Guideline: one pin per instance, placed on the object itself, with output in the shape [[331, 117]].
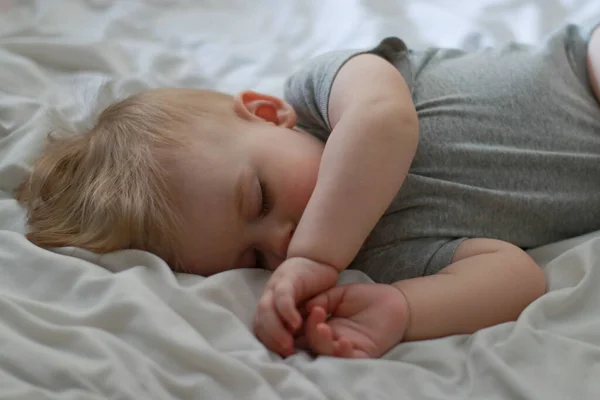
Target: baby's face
[[242, 197]]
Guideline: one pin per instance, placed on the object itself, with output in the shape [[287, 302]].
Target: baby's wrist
[[314, 254], [316, 263], [404, 299]]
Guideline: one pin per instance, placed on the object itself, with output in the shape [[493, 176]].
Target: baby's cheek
[[301, 172], [302, 190]]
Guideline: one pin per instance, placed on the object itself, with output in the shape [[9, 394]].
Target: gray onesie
[[509, 148]]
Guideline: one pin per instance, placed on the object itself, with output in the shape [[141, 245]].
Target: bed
[[75, 325]]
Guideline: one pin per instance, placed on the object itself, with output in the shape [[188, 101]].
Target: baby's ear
[[254, 106]]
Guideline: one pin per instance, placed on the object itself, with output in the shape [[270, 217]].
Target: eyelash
[[260, 261], [265, 200], [265, 208]]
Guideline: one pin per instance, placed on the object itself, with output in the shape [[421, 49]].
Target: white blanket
[[74, 325]]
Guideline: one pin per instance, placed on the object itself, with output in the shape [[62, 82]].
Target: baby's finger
[[286, 307], [318, 332], [315, 317], [326, 344], [359, 354], [318, 301], [269, 328], [276, 339], [344, 348], [329, 300]]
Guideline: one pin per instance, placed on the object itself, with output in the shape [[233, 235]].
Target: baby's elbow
[[533, 278]]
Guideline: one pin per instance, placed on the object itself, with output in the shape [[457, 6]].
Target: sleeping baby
[[431, 171]]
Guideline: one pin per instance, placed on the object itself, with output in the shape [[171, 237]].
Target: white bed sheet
[[74, 325]]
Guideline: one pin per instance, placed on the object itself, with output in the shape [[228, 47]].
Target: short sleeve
[[407, 259], [308, 90]]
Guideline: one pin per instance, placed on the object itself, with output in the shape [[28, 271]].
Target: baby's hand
[[366, 321], [277, 317]]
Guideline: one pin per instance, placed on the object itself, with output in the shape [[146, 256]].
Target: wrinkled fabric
[[74, 325]]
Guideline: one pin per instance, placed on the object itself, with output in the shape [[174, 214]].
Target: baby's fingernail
[[289, 350]]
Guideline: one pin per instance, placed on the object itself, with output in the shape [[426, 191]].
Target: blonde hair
[[107, 189]]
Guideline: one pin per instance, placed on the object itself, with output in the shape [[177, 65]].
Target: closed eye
[[265, 200]]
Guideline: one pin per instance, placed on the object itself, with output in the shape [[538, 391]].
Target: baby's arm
[[365, 161], [489, 282]]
